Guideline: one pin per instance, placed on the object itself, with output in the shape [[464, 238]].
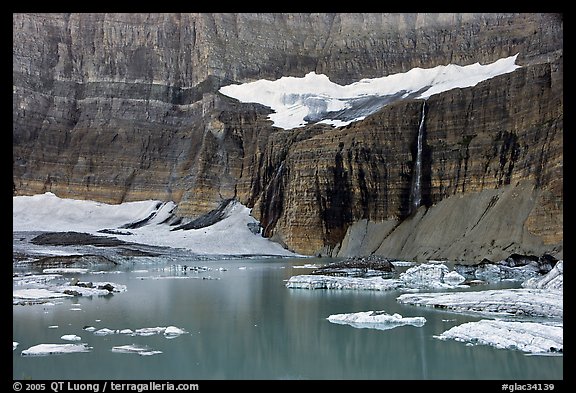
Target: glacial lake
[[242, 323]]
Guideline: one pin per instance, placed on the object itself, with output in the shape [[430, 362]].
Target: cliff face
[[125, 107]]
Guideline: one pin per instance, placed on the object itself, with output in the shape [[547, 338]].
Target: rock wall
[[120, 107], [480, 143]]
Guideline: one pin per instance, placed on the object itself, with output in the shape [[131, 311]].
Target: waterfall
[[416, 190]]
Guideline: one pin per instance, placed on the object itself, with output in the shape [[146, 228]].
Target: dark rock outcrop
[[357, 267], [74, 261], [75, 239], [123, 107]]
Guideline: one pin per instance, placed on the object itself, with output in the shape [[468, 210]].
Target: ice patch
[[312, 281]]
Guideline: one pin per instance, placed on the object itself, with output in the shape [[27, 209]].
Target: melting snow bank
[[517, 302], [376, 320], [524, 336], [148, 222], [314, 98]]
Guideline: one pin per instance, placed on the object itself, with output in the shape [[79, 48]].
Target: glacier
[[313, 98], [230, 236]]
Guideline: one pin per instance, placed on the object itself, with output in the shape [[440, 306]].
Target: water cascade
[[416, 189]]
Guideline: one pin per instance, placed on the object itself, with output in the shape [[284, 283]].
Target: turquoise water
[[242, 323]]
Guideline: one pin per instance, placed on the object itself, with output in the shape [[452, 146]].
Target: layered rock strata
[[121, 107], [492, 177]]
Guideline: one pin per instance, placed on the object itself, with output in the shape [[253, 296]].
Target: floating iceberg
[[35, 279], [517, 302], [133, 348], [434, 276], [55, 349], [312, 281], [376, 320], [104, 332], [431, 275], [71, 337], [168, 332], [35, 295], [42, 295], [173, 331], [524, 336]]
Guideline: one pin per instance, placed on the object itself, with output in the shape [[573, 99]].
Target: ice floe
[[312, 281], [38, 280], [516, 301], [36, 295], [102, 288], [529, 337], [376, 320], [55, 349], [72, 289], [103, 331], [136, 349], [167, 331], [71, 337]]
